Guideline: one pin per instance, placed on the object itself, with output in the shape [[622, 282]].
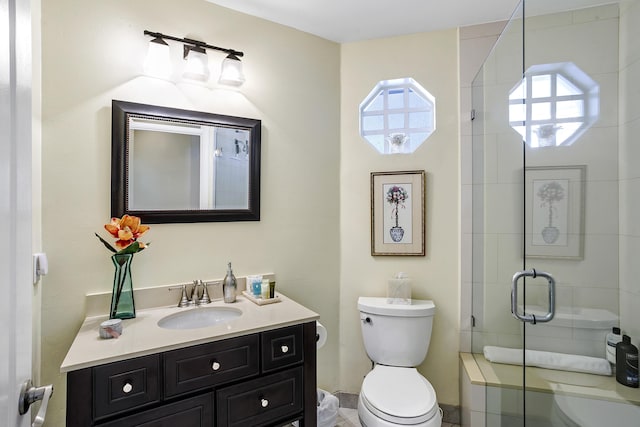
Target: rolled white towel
[[548, 360]]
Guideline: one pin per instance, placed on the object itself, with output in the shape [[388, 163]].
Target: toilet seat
[[399, 395]]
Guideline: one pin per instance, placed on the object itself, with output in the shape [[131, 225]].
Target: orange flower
[[126, 230]]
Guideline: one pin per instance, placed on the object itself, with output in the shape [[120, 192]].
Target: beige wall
[[92, 52], [431, 59]]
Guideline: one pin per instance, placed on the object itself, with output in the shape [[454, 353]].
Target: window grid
[[577, 116], [387, 113]]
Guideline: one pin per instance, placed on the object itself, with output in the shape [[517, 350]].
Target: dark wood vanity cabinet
[[261, 379]]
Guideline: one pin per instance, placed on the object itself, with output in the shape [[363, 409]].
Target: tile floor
[[349, 418]]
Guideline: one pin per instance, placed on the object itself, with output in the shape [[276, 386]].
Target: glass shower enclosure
[[556, 212]]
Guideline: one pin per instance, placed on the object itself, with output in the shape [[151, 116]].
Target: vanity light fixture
[[195, 54]]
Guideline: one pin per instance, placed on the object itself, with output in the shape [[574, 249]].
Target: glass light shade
[[197, 67], [231, 73], [158, 60]]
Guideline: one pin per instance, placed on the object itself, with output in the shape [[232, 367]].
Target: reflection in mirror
[[172, 165]]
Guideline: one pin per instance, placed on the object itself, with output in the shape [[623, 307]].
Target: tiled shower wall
[[629, 124], [475, 44]]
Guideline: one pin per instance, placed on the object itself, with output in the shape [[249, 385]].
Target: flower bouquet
[[126, 230]]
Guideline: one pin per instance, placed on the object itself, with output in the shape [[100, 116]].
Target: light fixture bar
[[194, 42]]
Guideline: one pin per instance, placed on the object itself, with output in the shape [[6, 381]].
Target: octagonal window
[[553, 105], [397, 116]]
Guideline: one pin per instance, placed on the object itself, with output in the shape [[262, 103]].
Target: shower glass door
[[497, 203], [556, 190], [571, 198]]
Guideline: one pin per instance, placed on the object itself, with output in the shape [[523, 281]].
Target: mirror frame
[[121, 110]]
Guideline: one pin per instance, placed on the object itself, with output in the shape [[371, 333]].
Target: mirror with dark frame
[[170, 165]]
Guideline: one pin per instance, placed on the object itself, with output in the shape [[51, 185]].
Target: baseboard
[[451, 413]]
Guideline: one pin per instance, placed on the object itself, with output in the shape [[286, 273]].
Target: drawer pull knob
[[264, 403], [284, 348], [215, 366], [127, 388]]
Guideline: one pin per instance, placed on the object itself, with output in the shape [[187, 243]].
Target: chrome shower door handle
[[532, 318]]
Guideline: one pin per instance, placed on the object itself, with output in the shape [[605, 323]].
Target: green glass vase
[[122, 304]]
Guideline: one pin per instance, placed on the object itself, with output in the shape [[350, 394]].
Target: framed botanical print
[[398, 213], [554, 212]]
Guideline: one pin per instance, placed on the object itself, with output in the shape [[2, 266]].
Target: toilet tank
[[396, 334]]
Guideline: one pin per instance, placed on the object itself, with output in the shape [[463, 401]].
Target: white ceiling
[[353, 20]]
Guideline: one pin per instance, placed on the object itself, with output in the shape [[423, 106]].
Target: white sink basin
[[199, 317]]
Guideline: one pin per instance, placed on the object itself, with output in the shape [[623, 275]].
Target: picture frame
[[398, 213], [554, 212]]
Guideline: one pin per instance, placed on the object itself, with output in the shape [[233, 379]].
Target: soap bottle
[[627, 362], [265, 289], [613, 338], [229, 285]]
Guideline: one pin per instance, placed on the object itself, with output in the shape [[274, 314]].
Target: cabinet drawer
[[281, 348], [194, 412], [125, 385], [262, 401], [210, 364]]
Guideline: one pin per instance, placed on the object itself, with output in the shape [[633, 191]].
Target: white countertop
[[142, 336]]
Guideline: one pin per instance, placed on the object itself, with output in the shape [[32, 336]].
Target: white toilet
[[396, 338]]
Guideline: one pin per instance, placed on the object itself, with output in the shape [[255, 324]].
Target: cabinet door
[[121, 386], [281, 348], [262, 401], [207, 365], [194, 412]]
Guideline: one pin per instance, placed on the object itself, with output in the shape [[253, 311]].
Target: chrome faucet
[[193, 297]]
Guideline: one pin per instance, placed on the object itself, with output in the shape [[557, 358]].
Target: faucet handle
[[205, 294], [184, 301], [194, 292]]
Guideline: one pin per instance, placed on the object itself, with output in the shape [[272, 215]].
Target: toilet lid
[[399, 395]]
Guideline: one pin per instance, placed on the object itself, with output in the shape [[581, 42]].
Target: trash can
[[327, 409]]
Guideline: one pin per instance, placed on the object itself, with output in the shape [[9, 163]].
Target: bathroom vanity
[[256, 370]]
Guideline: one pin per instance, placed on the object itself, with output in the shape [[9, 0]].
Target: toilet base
[[367, 419]]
